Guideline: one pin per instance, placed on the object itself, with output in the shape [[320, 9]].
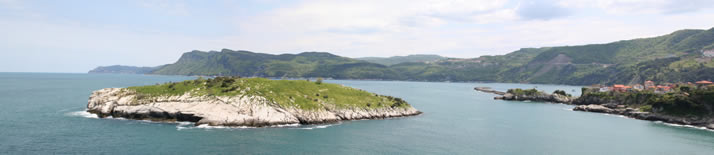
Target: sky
[[79, 35]]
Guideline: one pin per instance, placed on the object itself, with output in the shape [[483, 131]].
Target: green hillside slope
[[675, 57]]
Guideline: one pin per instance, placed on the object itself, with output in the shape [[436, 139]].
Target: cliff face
[[239, 110]]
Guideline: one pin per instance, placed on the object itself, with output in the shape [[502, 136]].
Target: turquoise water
[[41, 114]]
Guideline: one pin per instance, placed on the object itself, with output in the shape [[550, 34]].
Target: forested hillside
[[675, 57]]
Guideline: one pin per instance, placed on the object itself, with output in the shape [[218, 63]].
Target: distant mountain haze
[[675, 57], [402, 59], [119, 69]]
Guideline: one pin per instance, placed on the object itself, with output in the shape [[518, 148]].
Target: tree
[[684, 88], [318, 81]]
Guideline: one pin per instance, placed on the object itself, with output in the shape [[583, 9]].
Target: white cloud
[[47, 45], [363, 28], [641, 6], [170, 7], [12, 4], [347, 28]]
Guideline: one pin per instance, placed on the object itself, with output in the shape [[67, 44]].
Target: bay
[[42, 113]]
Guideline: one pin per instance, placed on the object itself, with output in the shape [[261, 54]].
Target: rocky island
[[255, 102], [518, 94]]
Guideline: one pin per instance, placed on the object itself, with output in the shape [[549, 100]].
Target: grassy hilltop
[[288, 93]]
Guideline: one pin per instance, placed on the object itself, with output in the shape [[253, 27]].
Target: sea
[[43, 113]]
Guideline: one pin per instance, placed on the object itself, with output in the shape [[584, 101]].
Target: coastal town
[[656, 88]]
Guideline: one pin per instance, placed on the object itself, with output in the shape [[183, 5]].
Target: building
[[649, 84], [708, 53], [638, 87], [703, 83], [604, 89], [619, 88], [663, 89]]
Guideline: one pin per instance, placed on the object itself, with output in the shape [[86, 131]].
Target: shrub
[[646, 108], [684, 88], [519, 91], [561, 92], [318, 81]]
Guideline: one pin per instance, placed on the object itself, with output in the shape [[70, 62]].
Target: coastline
[[636, 114], [619, 110]]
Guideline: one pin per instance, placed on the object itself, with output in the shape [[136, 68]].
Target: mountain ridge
[[674, 57]]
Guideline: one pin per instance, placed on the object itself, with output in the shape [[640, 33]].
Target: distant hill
[[245, 63], [402, 59], [674, 57], [119, 69], [681, 56]]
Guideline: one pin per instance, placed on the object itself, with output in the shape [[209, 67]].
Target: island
[[252, 102], [689, 104], [559, 96]]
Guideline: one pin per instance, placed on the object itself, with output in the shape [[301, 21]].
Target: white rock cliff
[[225, 110]]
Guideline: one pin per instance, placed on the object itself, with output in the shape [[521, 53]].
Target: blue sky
[[77, 35]]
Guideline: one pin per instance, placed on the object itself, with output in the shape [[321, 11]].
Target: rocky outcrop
[[489, 90], [593, 108], [555, 98], [536, 97], [238, 110], [706, 122], [541, 97]]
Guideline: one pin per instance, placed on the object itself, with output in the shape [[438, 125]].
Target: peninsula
[[254, 102], [678, 103]]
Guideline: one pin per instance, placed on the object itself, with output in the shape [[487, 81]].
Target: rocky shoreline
[[253, 111], [635, 113], [599, 105]]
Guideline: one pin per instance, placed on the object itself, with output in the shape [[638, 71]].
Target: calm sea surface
[[41, 113]]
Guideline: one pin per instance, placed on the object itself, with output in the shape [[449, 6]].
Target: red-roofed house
[[703, 83], [619, 88], [663, 89]]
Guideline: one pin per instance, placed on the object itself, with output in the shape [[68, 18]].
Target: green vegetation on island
[[302, 94], [524, 92]]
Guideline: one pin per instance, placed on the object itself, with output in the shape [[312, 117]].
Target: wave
[[86, 114], [683, 126], [206, 126], [83, 113], [184, 125], [310, 127], [189, 125], [616, 115]]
